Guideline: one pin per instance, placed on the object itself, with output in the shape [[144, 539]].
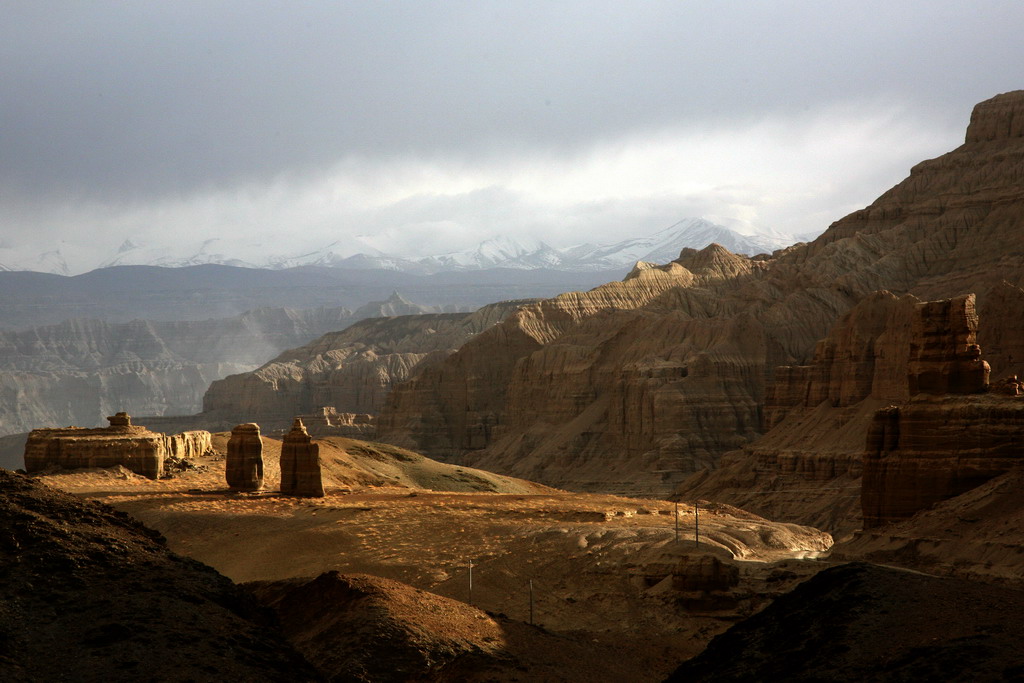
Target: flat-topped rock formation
[[646, 380], [122, 443], [929, 450], [300, 463], [944, 441], [244, 466]]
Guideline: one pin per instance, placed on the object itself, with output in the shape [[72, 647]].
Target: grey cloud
[[123, 101]]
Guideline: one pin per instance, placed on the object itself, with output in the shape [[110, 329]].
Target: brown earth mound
[[860, 622], [88, 594], [366, 628]]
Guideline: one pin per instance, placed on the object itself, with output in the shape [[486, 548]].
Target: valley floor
[[608, 573]]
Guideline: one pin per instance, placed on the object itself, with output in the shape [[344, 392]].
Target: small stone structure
[[327, 421], [244, 467], [300, 463], [132, 446]]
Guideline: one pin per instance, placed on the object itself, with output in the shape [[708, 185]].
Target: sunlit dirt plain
[[616, 573]]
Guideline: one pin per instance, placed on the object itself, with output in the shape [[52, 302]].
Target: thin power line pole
[[677, 522], [471, 582], [696, 524]]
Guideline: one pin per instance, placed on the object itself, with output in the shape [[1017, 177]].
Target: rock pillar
[[300, 463], [944, 355], [245, 458]]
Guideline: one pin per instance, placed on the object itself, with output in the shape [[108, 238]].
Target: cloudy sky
[[424, 127]]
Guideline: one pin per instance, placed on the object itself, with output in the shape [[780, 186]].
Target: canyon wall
[[350, 371], [80, 370], [903, 377], [632, 385]]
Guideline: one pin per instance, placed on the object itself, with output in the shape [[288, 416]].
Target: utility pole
[[696, 524], [471, 582], [677, 522]]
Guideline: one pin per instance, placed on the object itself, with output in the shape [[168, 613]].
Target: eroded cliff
[[350, 371], [646, 380]]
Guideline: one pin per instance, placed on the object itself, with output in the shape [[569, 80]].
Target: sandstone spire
[[245, 458], [944, 355], [300, 463]]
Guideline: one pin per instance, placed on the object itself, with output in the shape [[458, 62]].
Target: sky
[[420, 127]]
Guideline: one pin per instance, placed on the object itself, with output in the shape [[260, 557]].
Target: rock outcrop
[[90, 594], [300, 463], [937, 438], [859, 622], [929, 450], [944, 441], [244, 466], [944, 356], [633, 385], [329, 422], [122, 443]]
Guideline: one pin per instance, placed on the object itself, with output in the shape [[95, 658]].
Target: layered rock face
[[300, 463], [930, 450], [941, 443], [122, 443], [349, 371], [647, 379], [882, 353], [944, 356], [244, 466], [80, 370]]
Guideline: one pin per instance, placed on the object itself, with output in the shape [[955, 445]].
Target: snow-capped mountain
[[131, 253], [497, 252], [360, 252], [665, 245]]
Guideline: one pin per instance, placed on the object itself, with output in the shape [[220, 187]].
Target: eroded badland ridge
[[636, 384]]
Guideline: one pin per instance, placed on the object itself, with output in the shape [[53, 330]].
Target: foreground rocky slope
[[860, 622], [650, 379], [88, 594], [365, 628]]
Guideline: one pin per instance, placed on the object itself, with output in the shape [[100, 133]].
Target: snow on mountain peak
[[361, 252]]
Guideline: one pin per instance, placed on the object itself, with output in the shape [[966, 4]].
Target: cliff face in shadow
[[650, 379]]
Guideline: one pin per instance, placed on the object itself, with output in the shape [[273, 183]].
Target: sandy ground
[[597, 563]]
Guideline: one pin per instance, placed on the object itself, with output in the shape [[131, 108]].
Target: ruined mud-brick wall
[[122, 443]]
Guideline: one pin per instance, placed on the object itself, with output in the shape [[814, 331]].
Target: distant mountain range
[[497, 252]]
